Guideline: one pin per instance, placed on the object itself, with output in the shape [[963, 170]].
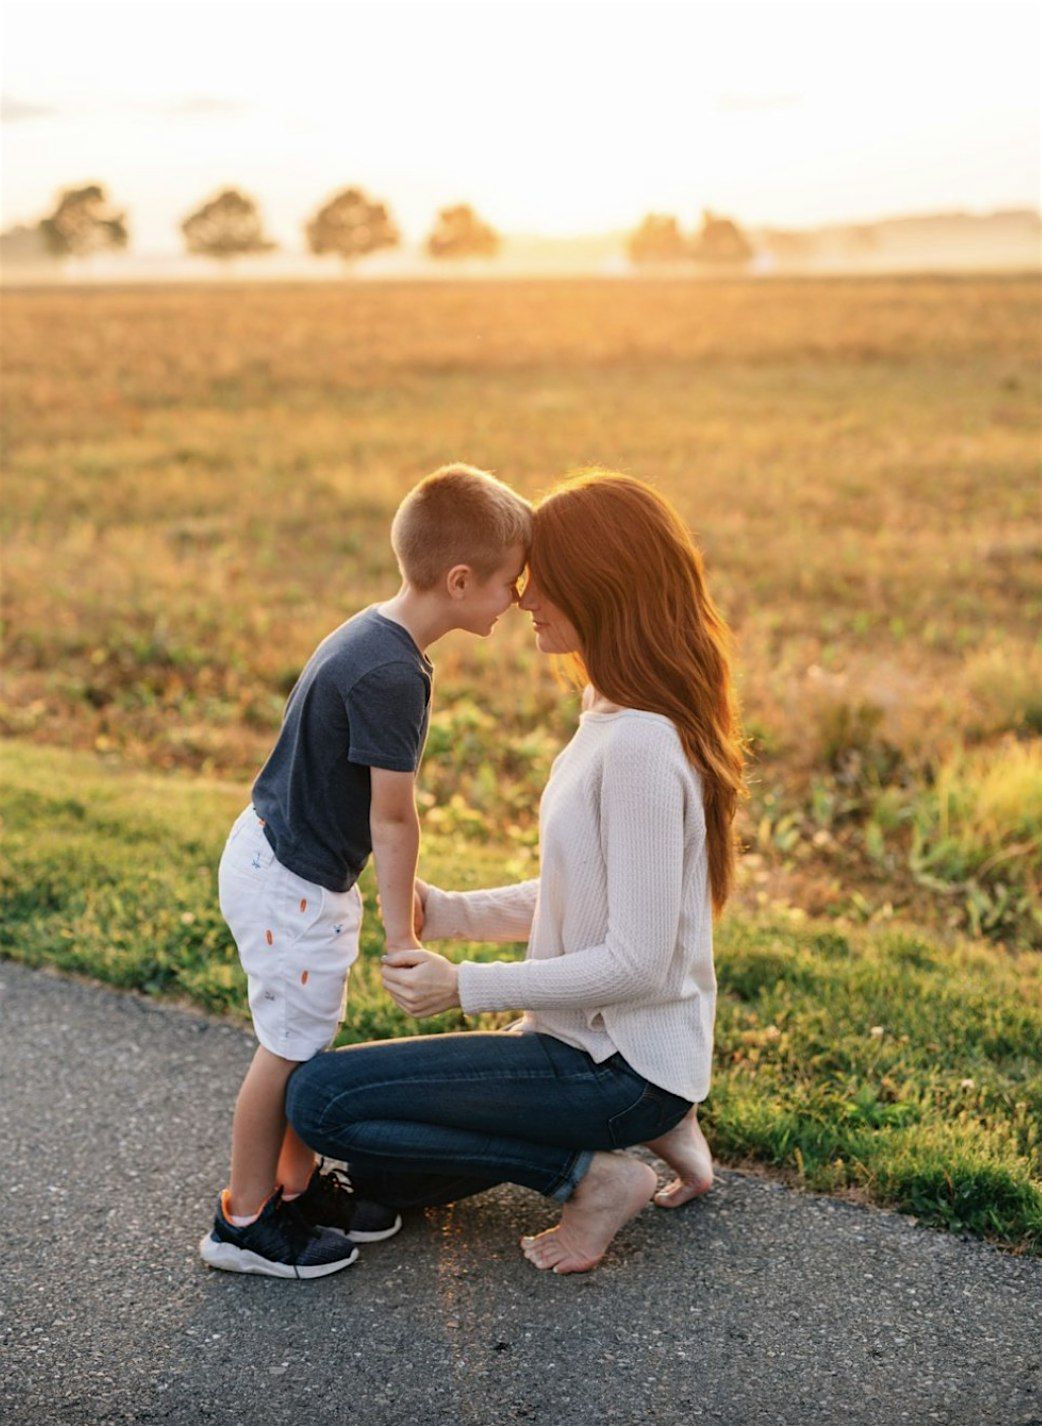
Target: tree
[[351, 225], [658, 239], [720, 241], [459, 232], [226, 226], [83, 223]]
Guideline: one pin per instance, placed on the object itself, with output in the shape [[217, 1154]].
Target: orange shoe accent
[[269, 938], [303, 977], [226, 1207], [303, 905]]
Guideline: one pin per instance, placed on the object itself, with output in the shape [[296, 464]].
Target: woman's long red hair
[[617, 559]]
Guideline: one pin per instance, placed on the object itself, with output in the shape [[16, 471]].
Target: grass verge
[[875, 1063]]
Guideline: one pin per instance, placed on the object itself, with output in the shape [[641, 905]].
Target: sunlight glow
[[557, 118]]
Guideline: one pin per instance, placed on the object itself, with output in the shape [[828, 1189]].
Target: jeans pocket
[[637, 1123], [654, 1113]]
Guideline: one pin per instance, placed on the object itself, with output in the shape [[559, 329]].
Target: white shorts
[[297, 942]]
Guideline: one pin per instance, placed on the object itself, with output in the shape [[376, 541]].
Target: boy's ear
[[457, 580]]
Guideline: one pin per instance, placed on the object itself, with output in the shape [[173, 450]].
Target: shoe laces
[[340, 1176], [335, 1186], [299, 1232]]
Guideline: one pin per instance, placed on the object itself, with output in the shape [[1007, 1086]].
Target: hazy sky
[[556, 117]]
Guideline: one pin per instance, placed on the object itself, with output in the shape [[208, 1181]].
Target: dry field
[[199, 484]]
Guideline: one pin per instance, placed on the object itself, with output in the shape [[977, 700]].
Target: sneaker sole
[[376, 1237], [357, 1236], [228, 1258]]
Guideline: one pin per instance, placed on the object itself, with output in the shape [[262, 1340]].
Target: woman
[[637, 853]]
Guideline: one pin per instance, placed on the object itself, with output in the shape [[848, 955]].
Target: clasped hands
[[419, 981]]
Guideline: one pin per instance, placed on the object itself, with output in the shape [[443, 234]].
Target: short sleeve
[[387, 716]]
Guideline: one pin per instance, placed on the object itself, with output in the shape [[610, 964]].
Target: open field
[[198, 487], [199, 484]]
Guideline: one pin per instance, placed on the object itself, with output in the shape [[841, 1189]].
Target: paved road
[[757, 1305]]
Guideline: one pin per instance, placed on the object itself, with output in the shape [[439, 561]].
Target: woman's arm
[[500, 913], [642, 828]]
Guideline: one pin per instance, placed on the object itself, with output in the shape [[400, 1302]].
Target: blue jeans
[[440, 1117]]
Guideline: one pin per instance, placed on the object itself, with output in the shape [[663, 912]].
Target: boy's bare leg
[[685, 1150], [296, 1163], [259, 1135]]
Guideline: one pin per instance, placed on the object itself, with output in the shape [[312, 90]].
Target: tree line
[[352, 225]]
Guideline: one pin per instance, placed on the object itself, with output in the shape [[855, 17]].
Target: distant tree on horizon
[[352, 225], [83, 222], [721, 240], [658, 239], [458, 232], [226, 226], [860, 238]]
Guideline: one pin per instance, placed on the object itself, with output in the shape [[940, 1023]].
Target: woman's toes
[[548, 1262], [544, 1250], [680, 1191]]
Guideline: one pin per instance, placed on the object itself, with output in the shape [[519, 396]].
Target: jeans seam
[[567, 1175], [498, 1159], [425, 1079]]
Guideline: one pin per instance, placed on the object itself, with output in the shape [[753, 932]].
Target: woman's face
[[554, 633]]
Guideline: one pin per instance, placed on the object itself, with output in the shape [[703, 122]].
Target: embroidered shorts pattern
[[296, 941]]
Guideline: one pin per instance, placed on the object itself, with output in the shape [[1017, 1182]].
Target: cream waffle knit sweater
[[619, 922]]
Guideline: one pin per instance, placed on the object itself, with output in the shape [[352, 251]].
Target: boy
[[339, 784]]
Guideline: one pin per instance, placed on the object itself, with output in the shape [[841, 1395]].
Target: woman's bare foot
[[686, 1152], [614, 1189]]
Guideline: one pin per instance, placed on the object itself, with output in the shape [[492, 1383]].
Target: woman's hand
[[420, 982], [419, 905]]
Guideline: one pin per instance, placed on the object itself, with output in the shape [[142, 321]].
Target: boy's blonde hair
[[458, 515]]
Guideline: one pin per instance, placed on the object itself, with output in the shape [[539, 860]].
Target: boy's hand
[[420, 982]]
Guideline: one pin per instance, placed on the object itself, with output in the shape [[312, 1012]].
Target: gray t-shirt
[[362, 701]]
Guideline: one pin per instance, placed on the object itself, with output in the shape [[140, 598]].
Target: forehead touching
[[515, 562]]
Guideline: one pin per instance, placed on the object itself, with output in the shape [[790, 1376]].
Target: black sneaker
[[329, 1202], [279, 1243]]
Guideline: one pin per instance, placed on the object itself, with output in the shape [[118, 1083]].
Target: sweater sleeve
[[642, 837], [501, 913]]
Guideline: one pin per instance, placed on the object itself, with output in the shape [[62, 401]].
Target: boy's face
[[481, 604]]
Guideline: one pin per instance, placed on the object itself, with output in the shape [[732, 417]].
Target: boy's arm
[[395, 830]]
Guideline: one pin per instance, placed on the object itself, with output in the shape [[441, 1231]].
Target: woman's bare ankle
[[683, 1149]]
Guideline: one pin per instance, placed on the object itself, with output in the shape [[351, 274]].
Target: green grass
[[875, 1063]]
